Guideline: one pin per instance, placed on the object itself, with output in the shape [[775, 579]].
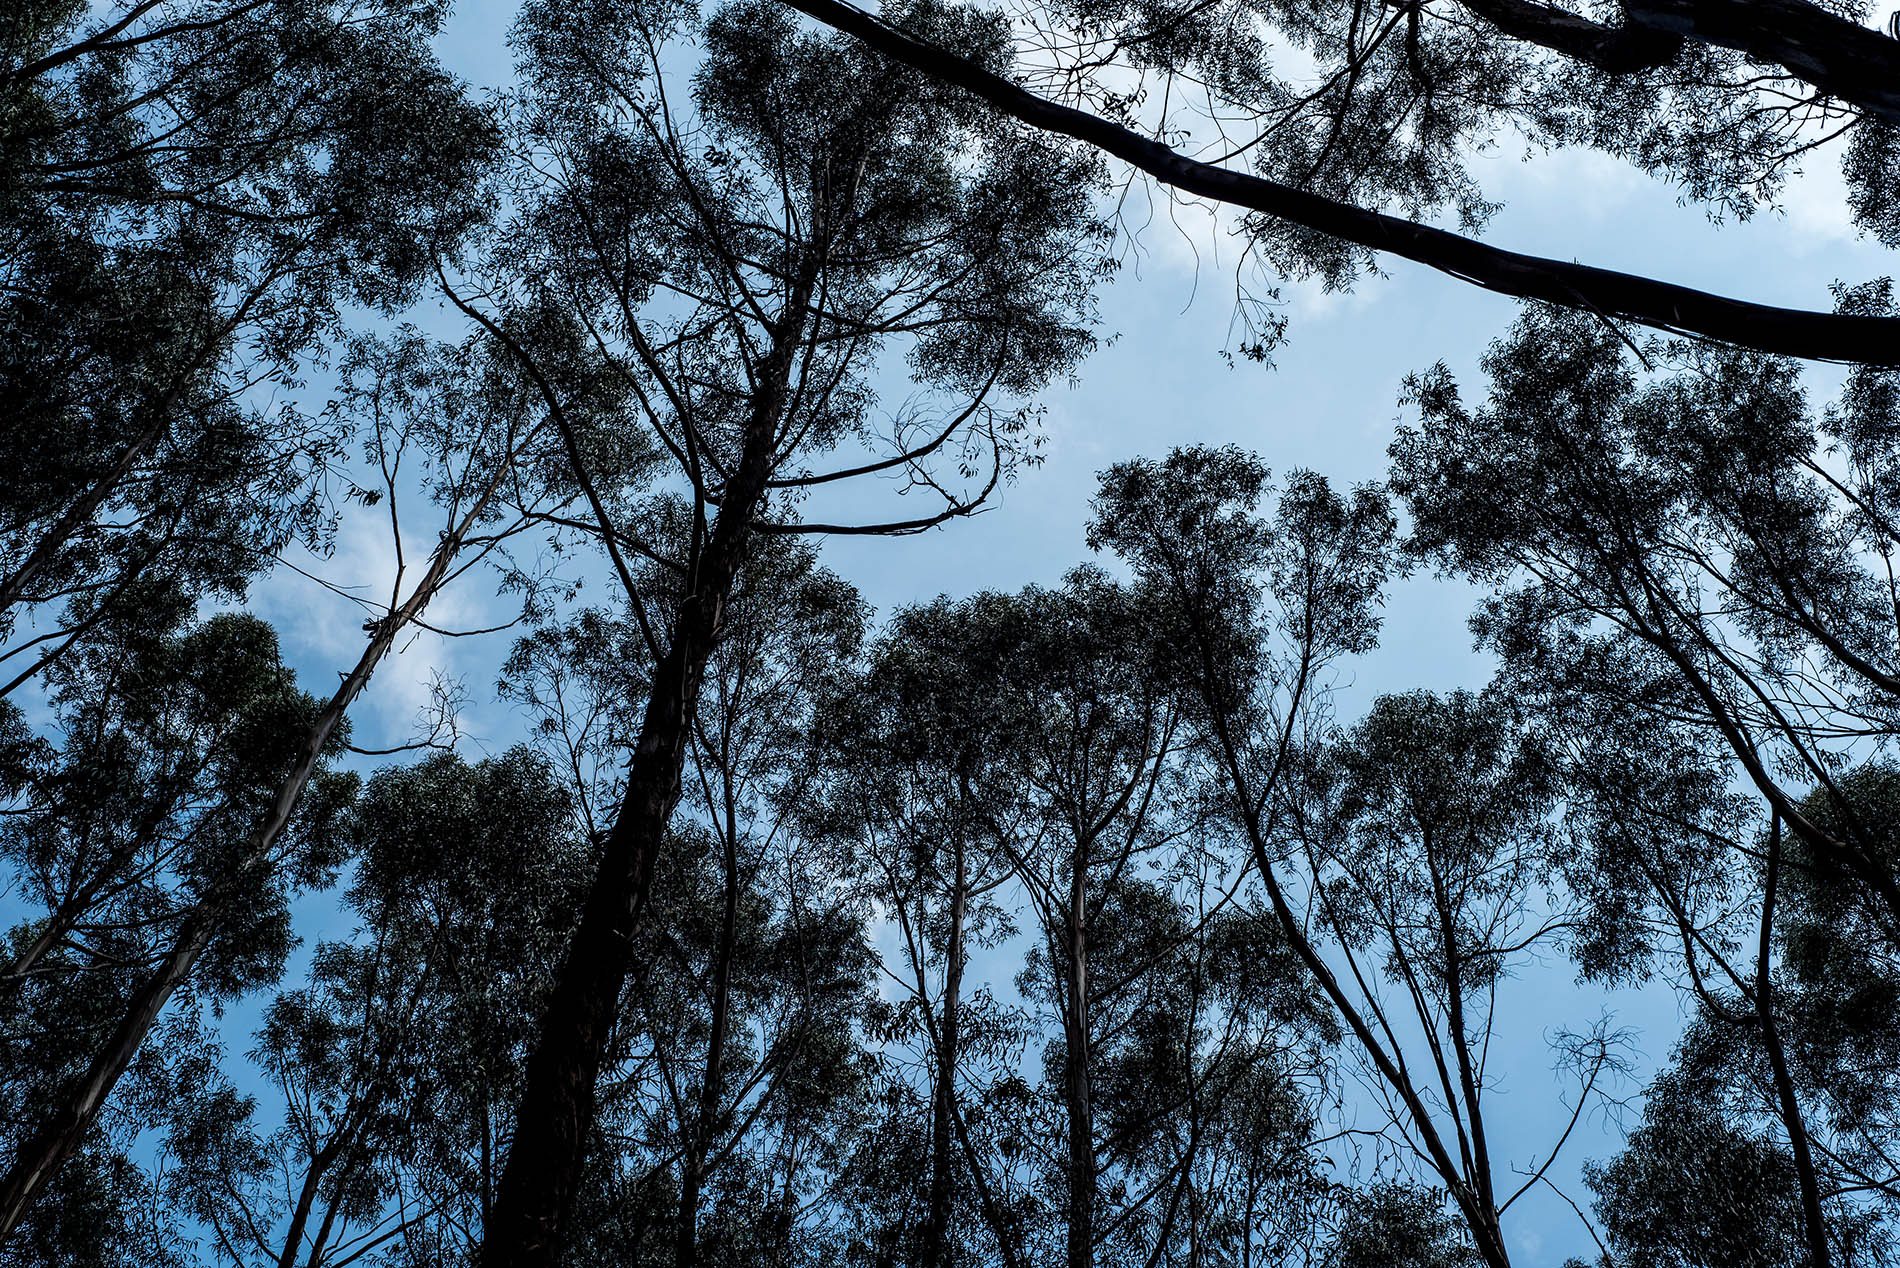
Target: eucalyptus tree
[[1206, 1061], [392, 1065], [743, 257], [1099, 746], [1783, 1078], [1691, 543], [1090, 735], [1695, 1186], [1437, 863], [480, 449], [766, 1047], [738, 1069], [192, 194], [1833, 989], [1259, 610], [1684, 878], [1359, 122], [735, 1063], [1392, 1222], [1016, 765], [1687, 555], [172, 741], [919, 801]]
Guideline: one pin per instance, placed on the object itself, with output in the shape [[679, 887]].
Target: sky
[[1329, 402]]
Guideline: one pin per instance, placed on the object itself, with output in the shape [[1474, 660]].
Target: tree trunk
[[63, 1129], [699, 1131], [1820, 1254], [542, 1174], [307, 1195], [1461, 1048], [942, 1130], [1081, 1232]]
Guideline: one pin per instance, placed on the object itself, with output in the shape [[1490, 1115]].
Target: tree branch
[[1663, 305]]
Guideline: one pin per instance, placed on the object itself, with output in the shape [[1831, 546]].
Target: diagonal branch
[[1663, 305]]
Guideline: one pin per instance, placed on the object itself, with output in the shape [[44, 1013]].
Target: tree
[[1702, 571], [1680, 542], [1785, 1059], [1098, 735], [1692, 1187], [176, 742], [478, 441], [920, 805], [396, 1061], [772, 1011], [738, 260], [1258, 611], [1400, 99], [734, 1066], [1392, 1222], [1433, 851], [193, 193]]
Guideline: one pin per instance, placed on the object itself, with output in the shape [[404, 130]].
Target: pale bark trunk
[[63, 1130]]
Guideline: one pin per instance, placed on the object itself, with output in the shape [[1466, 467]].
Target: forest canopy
[[770, 868]]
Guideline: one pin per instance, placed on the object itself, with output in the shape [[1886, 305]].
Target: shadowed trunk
[[1081, 1214], [699, 1132], [542, 1174], [1813, 1218]]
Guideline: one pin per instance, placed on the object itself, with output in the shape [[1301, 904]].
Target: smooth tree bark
[[943, 1093], [1079, 1242], [1814, 1219], [700, 1130]]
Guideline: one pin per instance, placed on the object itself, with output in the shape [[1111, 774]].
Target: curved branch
[[1663, 305]]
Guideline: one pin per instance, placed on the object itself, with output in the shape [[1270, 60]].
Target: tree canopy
[[1094, 913]]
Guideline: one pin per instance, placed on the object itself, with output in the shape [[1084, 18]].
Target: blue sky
[[1329, 403]]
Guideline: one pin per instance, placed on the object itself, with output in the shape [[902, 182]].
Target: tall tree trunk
[[1820, 1255], [542, 1174], [699, 1131], [62, 1130], [488, 1155], [1481, 1182], [319, 1167], [1081, 1233], [943, 1105]]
